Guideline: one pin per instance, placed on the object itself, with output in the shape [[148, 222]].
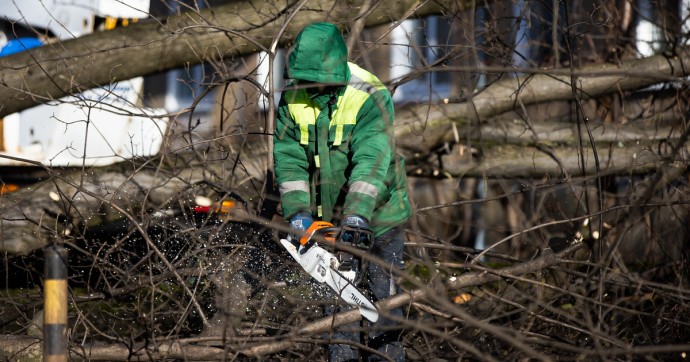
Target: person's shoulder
[[364, 80]]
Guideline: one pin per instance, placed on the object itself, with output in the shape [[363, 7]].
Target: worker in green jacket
[[335, 160]]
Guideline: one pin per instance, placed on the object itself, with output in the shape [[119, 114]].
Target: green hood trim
[[319, 55]]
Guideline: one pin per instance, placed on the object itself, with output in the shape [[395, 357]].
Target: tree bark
[[547, 149], [222, 32], [50, 210], [33, 217], [427, 126], [531, 162], [551, 159]]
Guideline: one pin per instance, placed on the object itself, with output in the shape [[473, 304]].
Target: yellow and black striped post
[[55, 304]]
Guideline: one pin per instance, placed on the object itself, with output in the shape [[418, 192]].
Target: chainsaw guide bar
[[323, 266]]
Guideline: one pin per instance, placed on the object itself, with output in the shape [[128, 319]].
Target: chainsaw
[[336, 270]]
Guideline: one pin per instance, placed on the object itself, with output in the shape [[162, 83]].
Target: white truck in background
[[99, 127]]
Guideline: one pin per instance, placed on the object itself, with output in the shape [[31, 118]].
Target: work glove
[[356, 231], [301, 221]]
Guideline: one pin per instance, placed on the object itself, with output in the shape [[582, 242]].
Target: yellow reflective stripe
[[366, 76], [302, 112], [362, 84], [317, 163], [338, 135], [346, 112], [319, 211], [55, 304], [304, 133]]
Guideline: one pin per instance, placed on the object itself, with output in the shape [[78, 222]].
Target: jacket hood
[[319, 55]]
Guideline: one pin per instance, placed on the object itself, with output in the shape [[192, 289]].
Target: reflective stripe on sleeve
[[364, 188], [289, 186]]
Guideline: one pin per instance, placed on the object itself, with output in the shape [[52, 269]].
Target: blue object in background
[[19, 45]]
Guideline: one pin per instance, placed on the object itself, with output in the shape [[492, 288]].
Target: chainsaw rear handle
[[361, 238]]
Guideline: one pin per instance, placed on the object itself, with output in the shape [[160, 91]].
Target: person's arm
[[291, 165], [371, 147]]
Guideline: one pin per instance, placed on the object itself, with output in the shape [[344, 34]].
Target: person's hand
[[355, 230], [356, 221], [301, 221]]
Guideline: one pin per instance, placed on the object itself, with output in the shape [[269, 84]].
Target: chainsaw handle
[[362, 238], [319, 230], [332, 236]]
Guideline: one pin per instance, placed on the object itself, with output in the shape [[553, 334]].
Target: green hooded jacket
[[334, 147]]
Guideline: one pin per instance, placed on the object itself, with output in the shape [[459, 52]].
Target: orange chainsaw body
[[319, 230]]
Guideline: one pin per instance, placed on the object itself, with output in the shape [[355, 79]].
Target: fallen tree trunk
[[230, 30], [545, 161], [553, 123], [425, 127], [222, 32], [50, 210], [34, 216]]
